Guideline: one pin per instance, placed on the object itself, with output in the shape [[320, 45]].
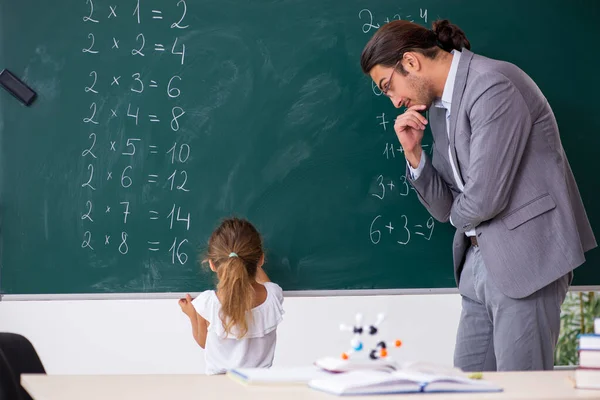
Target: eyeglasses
[[386, 88]]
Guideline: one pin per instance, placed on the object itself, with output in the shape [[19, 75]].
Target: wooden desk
[[517, 385]]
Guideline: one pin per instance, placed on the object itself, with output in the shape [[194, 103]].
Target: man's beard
[[424, 88]]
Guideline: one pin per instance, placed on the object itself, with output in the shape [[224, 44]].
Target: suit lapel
[[459, 87]]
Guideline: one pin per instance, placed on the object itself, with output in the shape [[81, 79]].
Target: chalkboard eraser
[[16, 87]]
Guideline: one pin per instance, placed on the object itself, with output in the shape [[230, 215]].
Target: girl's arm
[[199, 329], [199, 324]]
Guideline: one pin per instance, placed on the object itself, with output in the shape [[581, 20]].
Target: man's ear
[[411, 61]]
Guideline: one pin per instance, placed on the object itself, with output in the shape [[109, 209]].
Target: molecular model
[[379, 351]]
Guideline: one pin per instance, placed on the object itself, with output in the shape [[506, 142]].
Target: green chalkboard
[[155, 119]]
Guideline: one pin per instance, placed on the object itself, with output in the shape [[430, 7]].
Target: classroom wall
[[154, 336]]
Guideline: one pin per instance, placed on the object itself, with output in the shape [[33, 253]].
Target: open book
[[378, 382], [277, 375], [337, 364]]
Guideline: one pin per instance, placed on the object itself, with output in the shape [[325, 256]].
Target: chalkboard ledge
[[290, 293]]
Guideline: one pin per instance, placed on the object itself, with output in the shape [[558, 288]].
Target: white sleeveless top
[[257, 348]]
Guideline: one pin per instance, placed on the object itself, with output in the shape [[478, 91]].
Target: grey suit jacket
[[519, 193]]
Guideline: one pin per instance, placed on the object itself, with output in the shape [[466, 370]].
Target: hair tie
[[232, 254]]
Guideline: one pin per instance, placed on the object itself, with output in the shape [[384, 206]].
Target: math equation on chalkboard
[[403, 229], [119, 129]]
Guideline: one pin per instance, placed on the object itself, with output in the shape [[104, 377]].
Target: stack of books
[[587, 375]]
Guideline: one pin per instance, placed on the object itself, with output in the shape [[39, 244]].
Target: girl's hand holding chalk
[[186, 306]]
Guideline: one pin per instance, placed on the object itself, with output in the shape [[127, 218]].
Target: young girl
[[237, 324]]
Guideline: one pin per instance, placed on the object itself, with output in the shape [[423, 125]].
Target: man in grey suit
[[499, 174]]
